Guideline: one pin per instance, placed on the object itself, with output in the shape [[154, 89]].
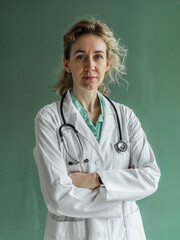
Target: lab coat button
[[99, 234]]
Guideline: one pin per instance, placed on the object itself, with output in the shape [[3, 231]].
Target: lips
[[89, 77]]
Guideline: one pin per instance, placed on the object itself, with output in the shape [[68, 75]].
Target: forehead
[[89, 42]]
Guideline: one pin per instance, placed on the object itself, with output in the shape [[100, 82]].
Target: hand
[[85, 180]]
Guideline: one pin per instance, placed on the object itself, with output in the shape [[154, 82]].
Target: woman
[[90, 180]]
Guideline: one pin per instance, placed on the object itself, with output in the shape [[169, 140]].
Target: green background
[[31, 51]]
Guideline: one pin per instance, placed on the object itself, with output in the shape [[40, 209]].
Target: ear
[[66, 65], [108, 65]]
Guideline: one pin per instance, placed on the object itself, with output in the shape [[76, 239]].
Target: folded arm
[[62, 197], [64, 194], [135, 183]]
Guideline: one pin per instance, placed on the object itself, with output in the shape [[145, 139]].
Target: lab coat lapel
[[108, 132], [73, 117]]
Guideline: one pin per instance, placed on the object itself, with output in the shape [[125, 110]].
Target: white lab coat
[[109, 212]]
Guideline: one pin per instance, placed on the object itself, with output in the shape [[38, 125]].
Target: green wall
[[31, 50]]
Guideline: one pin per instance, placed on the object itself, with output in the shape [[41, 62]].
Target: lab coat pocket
[[121, 160], [134, 226], [70, 228]]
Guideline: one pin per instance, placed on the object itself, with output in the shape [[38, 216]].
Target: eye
[[80, 57], [99, 57]]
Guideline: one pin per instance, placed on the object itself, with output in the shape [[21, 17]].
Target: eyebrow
[[81, 51]]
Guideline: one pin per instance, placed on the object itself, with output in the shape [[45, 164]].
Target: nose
[[89, 65]]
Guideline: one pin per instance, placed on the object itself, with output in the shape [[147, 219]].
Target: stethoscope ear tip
[[70, 163], [73, 163]]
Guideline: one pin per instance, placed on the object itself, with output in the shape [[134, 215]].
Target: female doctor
[[93, 157]]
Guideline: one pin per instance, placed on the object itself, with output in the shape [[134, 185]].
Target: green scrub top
[[95, 128]]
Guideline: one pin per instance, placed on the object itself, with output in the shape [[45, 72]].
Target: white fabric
[[109, 212]]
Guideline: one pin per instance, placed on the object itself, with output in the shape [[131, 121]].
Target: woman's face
[[88, 62]]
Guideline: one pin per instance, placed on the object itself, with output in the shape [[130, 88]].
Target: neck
[[88, 99]]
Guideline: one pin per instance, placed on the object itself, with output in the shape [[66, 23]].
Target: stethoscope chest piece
[[121, 146]]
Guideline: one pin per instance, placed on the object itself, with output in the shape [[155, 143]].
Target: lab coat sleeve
[[138, 183], [61, 196]]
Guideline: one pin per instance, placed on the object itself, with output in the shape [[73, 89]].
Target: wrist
[[96, 180]]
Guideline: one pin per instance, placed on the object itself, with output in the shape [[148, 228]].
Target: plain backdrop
[[30, 53]]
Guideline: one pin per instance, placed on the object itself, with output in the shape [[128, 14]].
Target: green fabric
[[95, 129]]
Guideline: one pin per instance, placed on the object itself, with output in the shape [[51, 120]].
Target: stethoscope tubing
[[120, 146], [118, 122]]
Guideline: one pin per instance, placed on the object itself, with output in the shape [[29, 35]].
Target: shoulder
[[126, 111]]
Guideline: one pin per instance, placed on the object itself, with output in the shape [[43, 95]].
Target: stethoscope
[[120, 146]]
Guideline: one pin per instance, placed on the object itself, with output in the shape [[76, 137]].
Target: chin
[[90, 87]]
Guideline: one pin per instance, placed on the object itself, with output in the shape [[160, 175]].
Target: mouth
[[89, 77]]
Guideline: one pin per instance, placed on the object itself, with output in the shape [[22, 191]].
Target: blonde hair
[[116, 54]]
